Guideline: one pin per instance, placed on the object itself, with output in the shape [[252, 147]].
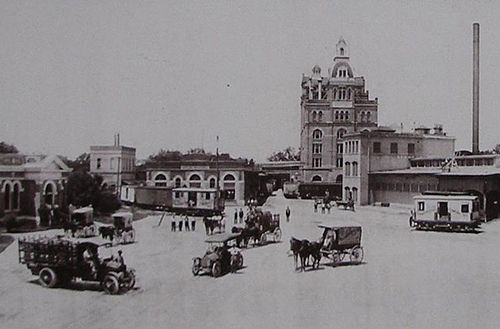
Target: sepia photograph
[[249, 164]]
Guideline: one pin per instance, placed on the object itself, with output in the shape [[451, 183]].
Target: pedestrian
[[180, 225], [236, 216], [211, 225], [207, 226], [173, 224], [328, 206], [315, 206], [287, 213], [241, 215], [223, 223], [193, 224], [322, 207], [186, 223]]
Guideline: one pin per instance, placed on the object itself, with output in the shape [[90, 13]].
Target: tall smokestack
[[475, 89]]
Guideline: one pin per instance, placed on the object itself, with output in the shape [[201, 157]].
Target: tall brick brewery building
[[332, 106]]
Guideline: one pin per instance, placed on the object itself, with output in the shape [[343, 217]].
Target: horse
[[310, 249], [295, 247], [107, 232]]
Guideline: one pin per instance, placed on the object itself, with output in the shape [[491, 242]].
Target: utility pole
[[217, 187]]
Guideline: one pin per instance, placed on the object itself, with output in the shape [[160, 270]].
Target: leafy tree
[[197, 150], [166, 155], [83, 189], [288, 154], [8, 148]]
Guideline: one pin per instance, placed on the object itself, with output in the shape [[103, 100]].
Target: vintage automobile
[[338, 242], [452, 211], [220, 257], [59, 260], [121, 231], [81, 223]]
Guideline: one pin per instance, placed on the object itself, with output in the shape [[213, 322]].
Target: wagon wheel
[[110, 284], [131, 282], [196, 266], [216, 269], [240, 260], [263, 239], [357, 254], [132, 236], [48, 278], [277, 235]]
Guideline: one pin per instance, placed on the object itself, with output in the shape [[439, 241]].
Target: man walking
[[287, 213], [236, 216], [241, 215]]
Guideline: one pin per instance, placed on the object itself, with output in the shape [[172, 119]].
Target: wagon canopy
[[222, 237], [345, 235]]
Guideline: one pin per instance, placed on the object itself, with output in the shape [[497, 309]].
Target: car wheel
[[110, 284], [196, 266], [216, 269], [47, 277]]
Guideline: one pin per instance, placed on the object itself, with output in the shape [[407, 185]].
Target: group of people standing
[[324, 206], [50, 215], [182, 222]]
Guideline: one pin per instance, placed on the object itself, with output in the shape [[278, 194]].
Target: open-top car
[[122, 230], [59, 260], [221, 257]]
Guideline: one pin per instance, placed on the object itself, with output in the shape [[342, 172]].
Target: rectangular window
[[465, 208], [178, 195], [394, 148], [411, 148], [207, 195], [421, 206], [376, 147], [316, 162]]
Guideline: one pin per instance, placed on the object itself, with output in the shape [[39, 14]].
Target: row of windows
[[194, 180], [341, 115], [354, 171], [317, 116], [352, 147], [464, 208], [459, 162], [351, 194], [394, 148], [404, 187], [317, 148], [342, 93], [127, 164]]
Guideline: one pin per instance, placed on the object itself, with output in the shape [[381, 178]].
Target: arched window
[[195, 180], [347, 193], [341, 51], [49, 194], [160, 180], [346, 115], [341, 132], [320, 115], [230, 186], [317, 134], [368, 116], [362, 116], [317, 178], [314, 116], [212, 182], [355, 168], [16, 196], [348, 169], [355, 194], [178, 182], [339, 179], [6, 196], [336, 115], [349, 93]]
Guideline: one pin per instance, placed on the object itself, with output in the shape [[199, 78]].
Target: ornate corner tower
[[332, 106]]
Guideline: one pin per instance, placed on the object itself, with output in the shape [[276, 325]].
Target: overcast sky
[[174, 74]]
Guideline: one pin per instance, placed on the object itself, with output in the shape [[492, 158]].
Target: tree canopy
[[288, 154], [8, 148]]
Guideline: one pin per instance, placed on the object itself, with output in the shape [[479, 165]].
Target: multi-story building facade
[[332, 106], [114, 163], [382, 149]]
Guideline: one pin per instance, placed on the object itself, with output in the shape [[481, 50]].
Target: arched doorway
[[339, 179], [317, 178], [6, 195], [492, 204], [49, 193]]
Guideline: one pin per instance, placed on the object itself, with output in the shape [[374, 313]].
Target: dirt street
[[409, 279]]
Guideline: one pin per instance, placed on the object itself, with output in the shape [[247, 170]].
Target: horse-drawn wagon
[[122, 230], [260, 226], [220, 257], [345, 204], [81, 223], [339, 242], [59, 260]]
